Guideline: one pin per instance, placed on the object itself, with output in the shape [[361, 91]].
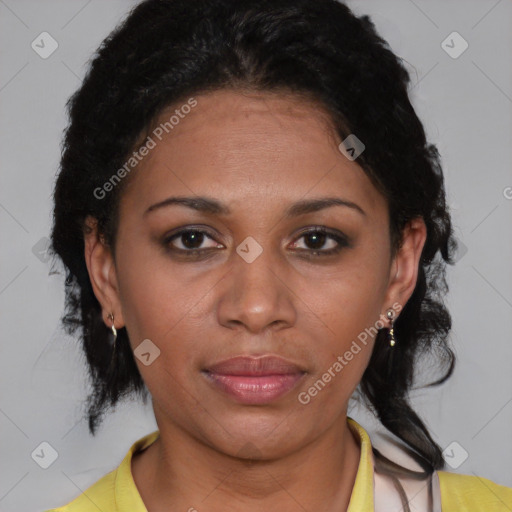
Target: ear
[[102, 273], [404, 267]]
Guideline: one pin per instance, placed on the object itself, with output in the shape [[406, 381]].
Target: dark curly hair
[[168, 50]]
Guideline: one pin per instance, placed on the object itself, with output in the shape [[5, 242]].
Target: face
[[252, 267]]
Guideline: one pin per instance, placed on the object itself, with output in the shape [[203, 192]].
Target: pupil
[[192, 238], [317, 237]]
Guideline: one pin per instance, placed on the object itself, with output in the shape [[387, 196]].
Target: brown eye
[[191, 240], [320, 241]]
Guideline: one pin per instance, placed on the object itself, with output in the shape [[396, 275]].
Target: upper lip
[[255, 366]]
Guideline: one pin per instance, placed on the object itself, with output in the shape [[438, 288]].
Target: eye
[[191, 240], [318, 237]]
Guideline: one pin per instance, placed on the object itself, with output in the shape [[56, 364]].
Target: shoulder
[[468, 493], [99, 496]]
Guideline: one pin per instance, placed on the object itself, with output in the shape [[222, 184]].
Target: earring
[[114, 332], [391, 316]]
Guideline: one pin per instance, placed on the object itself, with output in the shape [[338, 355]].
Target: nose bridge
[[256, 266]]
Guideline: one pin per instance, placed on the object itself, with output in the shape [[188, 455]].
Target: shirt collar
[[362, 499], [126, 493], [128, 498]]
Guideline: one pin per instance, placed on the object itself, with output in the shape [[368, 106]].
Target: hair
[[165, 51]]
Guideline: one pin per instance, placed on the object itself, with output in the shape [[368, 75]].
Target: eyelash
[[341, 240]]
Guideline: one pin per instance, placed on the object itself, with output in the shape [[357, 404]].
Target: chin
[[258, 435]]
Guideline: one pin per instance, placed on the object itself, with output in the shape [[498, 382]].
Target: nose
[[258, 295]]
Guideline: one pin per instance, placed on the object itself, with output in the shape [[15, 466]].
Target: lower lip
[[254, 389]]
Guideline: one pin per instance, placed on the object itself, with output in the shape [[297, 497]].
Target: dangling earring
[[114, 332], [391, 316]]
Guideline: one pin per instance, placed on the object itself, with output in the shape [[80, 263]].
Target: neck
[[181, 473]]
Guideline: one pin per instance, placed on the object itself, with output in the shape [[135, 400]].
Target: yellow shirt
[[117, 492]]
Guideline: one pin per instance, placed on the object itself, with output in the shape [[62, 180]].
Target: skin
[[257, 153]]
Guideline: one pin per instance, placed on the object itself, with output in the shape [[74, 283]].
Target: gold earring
[[114, 332], [391, 316]]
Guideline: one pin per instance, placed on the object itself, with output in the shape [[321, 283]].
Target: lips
[[254, 380], [251, 366]]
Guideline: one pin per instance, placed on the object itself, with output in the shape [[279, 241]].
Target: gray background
[[465, 104]]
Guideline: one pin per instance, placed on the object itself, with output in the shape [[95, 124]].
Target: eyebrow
[[214, 207]]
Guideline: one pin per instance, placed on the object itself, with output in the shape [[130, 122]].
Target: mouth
[[254, 380]]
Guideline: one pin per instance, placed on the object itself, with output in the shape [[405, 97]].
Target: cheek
[[349, 304], [351, 299], [151, 298], [164, 304]]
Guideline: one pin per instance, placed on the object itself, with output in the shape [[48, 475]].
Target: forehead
[[247, 148]]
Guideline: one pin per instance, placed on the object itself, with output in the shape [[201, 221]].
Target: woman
[[254, 227]]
